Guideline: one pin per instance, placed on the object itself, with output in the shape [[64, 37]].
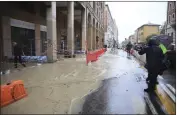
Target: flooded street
[[112, 85], [85, 57], [122, 90]]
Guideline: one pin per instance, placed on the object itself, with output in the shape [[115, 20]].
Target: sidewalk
[[51, 87]]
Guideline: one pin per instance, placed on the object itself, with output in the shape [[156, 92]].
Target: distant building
[[116, 33], [124, 43], [163, 28], [136, 36], [145, 30], [108, 26], [132, 39], [171, 20]]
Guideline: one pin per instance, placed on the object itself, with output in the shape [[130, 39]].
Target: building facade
[[46, 28], [95, 24], [136, 36], [163, 28], [132, 39], [116, 33], [171, 20], [145, 30], [109, 27]]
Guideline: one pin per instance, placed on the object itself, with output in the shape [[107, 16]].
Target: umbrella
[[163, 39]]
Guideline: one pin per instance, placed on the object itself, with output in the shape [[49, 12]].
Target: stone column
[[6, 32], [70, 28], [51, 33], [83, 30], [37, 39]]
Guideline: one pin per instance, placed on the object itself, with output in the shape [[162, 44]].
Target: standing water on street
[[88, 57]]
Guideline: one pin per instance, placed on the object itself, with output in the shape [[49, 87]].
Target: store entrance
[[25, 38]]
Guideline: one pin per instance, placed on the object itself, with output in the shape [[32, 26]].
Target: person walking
[[128, 48], [17, 54], [154, 59]]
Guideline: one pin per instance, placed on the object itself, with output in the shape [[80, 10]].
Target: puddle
[[77, 103]]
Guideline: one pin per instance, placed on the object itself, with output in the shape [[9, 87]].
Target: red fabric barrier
[[93, 56]]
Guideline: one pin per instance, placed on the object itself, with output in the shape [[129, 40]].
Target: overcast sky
[[130, 15]]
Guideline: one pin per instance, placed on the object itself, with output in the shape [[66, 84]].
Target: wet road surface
[[122, 91]]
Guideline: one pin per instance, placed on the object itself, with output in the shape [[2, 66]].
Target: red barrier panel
[[12, 92], [93, 56]]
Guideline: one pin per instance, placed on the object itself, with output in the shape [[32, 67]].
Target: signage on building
[[21, 24], [43, 28]]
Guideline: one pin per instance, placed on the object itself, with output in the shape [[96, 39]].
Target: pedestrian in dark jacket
[[154, 57], [128, 48], [17, 54]]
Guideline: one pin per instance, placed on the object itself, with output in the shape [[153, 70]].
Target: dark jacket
[[154, 56], [129, 46], [17, 50]]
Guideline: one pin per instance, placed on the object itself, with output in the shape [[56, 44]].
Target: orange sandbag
[[12, 92]]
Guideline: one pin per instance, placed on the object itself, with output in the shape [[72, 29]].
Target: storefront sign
[[43, 28], [21, 24]]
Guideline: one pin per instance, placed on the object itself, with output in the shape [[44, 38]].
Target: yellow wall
[[149, 30]]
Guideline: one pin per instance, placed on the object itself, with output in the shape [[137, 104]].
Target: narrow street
[[112, 85]]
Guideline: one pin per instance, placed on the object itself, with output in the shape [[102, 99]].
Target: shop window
[[169, 18], [97, 38], [173, 15], [24, 38], [170, 5], [172, 34]]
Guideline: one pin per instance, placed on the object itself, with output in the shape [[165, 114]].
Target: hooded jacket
[[154, 56]]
